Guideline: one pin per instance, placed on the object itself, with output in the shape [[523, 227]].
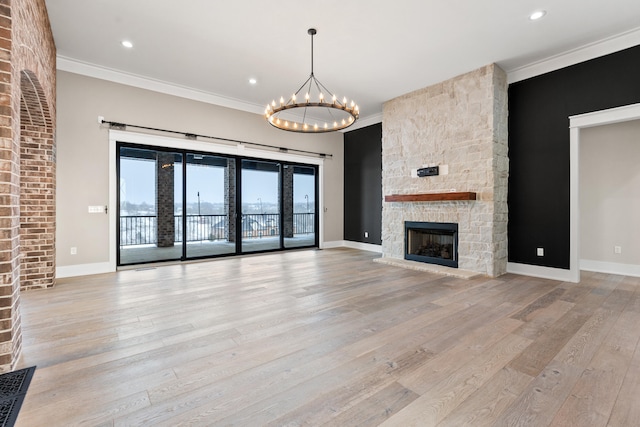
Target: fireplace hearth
[[432, 242]]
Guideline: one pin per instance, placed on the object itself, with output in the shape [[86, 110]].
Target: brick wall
[[230, 200], [37, 188], [287, 200], [165, 188], [27, 160]]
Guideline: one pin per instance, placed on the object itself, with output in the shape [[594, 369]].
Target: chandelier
[[318, 110]]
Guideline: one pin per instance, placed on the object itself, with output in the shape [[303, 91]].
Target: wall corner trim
[[610, 267], [84, 269], [362, 246], [542, 272], [353, 245]]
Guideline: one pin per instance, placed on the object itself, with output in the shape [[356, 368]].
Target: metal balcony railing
[[142, 229]]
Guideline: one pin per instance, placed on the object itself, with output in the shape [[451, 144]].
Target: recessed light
[[537, 15], [127, 44], [252, 81]]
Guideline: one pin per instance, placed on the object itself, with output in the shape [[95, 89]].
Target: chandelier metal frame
[[331, 103]]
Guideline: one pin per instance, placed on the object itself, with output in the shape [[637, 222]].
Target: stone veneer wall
[[27, 163], [461, 123]]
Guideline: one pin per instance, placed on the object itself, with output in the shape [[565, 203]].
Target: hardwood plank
[[537, 323], [545, 347], [626, 411], [546, 394], [470, 347], [539, 304], [485, 405], [377, 408], [538, 403], [585, 342], [329, 337], [592, 398], [442, 398]]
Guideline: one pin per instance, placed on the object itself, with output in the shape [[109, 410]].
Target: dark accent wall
[[539, 110], [363, 184]]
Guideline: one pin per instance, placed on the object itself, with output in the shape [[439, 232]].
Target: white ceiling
[[368, 50]]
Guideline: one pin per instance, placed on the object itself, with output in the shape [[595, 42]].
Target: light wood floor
[[330, 338]]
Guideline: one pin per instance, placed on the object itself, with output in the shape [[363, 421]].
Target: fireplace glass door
[[433, 243]]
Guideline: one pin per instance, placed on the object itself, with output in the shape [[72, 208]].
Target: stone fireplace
[[459, 125]]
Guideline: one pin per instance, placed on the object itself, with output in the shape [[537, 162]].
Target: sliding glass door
[[299, 188], [209, 220], [150, 200], [260, 206], [180, 204]]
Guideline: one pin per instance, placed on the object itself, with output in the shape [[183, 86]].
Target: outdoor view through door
[[179, 204]]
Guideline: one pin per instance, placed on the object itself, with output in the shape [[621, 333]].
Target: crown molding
[[575, 56], [135, 80], [71, 65]]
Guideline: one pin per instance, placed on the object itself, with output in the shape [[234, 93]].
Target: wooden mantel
[[430, 197]]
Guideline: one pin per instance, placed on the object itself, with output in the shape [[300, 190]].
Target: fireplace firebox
[[431, 242]]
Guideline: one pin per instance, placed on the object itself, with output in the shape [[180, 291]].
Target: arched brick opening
[[27, 163], [37, 187]]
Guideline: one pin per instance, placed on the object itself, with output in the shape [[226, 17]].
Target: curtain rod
[[194, 136]]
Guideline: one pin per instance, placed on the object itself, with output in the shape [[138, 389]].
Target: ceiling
[[367, 50]]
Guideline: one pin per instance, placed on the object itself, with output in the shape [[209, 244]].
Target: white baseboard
[[332, 244], [84, 269], [610, 267], [353, 245], [542, 272]]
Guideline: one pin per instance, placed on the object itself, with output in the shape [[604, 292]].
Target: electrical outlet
[[74, 250], [540, 251], [366, 234], [617, 249]]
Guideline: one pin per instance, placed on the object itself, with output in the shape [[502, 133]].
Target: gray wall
[[83, 154], [610, 193]]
